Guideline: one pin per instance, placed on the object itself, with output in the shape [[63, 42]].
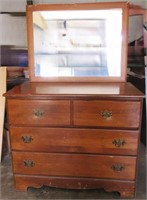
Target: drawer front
[[122, 114], [74, 165], [117, 142], [38, 112]]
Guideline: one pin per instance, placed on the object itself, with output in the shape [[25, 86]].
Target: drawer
[[118, 142], [116, 114], [38, 112], [74, 165]]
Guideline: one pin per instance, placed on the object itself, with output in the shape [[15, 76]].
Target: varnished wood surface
[[74, 90], [78, 6], [74, 113], [89, 113], [71, 141], [67, 140], [74, 165], [126, 189], [52, 112]]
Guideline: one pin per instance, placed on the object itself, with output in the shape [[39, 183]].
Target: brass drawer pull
[[29, 163], [38, 113], [119, 142], [27, 139], [106, 114], [117, 167]]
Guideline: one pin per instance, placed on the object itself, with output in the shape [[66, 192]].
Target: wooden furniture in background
[[2, 104]]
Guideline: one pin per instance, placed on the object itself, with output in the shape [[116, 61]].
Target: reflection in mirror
[[77, 43]]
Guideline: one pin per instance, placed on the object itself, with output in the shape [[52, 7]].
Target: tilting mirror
[[78, 42]]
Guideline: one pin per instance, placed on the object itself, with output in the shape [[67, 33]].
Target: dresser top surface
[[31, 89]]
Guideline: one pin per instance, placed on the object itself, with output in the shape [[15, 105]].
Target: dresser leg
[[125, 192]]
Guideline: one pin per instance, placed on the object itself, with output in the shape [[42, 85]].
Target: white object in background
[[145, 60], [2, 104], [26, 73]]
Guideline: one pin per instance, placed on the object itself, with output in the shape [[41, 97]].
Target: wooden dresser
[[75, 135]]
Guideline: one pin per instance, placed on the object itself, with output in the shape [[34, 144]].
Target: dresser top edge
[[74, 90]]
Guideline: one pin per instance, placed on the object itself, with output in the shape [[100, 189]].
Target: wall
[[13, 5], [13, 30]]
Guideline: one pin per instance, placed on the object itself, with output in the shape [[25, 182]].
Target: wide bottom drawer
[[74, 165]]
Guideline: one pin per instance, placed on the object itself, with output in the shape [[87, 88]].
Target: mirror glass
[[77, 43]]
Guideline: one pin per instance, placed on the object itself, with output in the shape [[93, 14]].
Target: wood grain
[[49, 112], [74, 165], [73, 140], [71, 145]]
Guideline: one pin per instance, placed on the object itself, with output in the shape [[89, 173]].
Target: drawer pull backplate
[[38, 113], [27, 139], [29, 163], [106, 114], [119, 142], [117, 167]]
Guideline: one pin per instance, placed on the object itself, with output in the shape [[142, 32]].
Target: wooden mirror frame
[[81, 6]]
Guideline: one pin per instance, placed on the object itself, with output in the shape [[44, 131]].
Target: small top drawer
[[116, 114], [38, 112]]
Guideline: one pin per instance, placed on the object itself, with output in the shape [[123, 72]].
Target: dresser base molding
[[125, 188]]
